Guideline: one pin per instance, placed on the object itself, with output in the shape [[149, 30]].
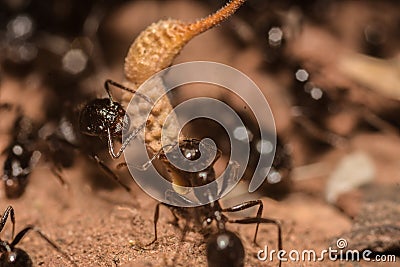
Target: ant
[[23, 154], [29, 143], [10, 255], [105, 118], [21, 157], [61, 144], [224, 248]]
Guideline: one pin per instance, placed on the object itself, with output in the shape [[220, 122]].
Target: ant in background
[[57, 143], [21, 158], [12, 256], [62, 141], [105, 118], [224, 248], [24, 152]]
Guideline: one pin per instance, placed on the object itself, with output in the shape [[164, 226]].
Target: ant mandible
[[10, 255], [230, 250]]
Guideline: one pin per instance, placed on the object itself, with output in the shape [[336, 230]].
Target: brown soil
[[101, 226]]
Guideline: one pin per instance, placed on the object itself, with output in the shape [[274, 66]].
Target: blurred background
[[330, 71]]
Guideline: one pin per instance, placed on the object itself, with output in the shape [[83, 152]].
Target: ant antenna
[[3, 220], [125, 144], [24, 231], [120, 86], [146, 165]]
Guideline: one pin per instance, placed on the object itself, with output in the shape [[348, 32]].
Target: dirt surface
[[97, 223]]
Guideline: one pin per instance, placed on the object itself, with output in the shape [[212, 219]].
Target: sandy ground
[[99, 224]]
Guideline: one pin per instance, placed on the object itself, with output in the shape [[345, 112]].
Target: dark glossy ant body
[[10, 255], [105, 118], [21, 157], [224, 248]]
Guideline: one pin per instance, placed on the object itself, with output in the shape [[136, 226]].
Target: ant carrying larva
[[152, 51]]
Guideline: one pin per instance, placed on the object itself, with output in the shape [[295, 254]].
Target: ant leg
[[109, 172], [322, 135], [120, 86], [9, 211], [233, 176], [146, 165], [28, 228], [57, 173], [262, 220], [176, 219], [124, 145], [155, 221], [156, 216], [247, 205]]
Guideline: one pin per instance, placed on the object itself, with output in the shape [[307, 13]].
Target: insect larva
[[157, 46], [154, 50]]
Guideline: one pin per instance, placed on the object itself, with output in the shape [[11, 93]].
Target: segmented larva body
[[154, 50]]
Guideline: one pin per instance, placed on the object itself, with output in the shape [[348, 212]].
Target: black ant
[[105, 118], [21, 157], [24, 152], [63, 135], [10, 255], [61, 144], [30, 142], [224, 248]]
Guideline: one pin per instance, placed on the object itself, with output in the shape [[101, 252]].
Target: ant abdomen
[[15, 258], [225, 249], [102, 117]]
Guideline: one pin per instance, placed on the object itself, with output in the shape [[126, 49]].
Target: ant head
[[225, 249], [190, 149], [102, 115], [15, 258]]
